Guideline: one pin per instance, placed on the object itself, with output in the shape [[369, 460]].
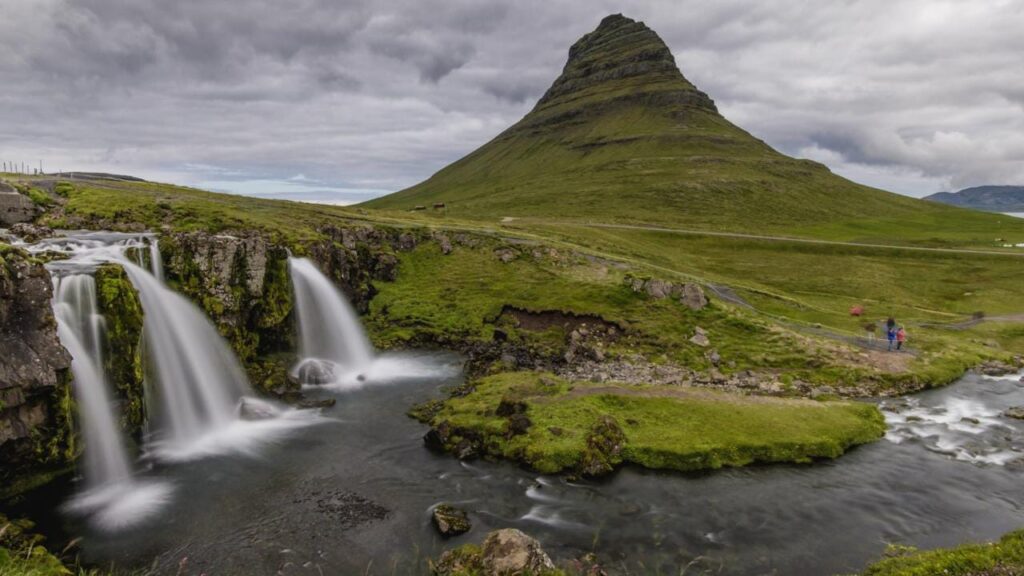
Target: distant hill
[[623, 136], [990, 198]]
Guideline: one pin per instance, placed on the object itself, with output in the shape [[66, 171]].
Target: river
[[353, 495]]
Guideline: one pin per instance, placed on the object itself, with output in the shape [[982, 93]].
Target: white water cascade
[[80, 328], [198, 382], [197, 395], [332, 344], [112, 496]]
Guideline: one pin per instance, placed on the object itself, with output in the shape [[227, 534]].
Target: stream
[[353, 495]]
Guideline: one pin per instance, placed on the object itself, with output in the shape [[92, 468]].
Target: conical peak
[[618, 39], [621, 57]]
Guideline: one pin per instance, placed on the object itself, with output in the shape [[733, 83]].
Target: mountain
[[990, 198], [623, 136]]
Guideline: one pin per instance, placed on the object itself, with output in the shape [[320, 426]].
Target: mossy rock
[[123, 359]]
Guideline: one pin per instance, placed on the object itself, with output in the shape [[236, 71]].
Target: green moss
[[63, 189], [38, 197], [22, 553], [591, 428], [1004, 557], [467, 560], [124, 356]]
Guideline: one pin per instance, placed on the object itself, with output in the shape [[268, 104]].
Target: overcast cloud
[[344, 100]]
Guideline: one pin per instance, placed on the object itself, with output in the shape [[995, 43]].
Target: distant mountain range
[[989, 198]]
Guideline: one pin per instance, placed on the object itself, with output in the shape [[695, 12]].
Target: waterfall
[[155, 260], [112, 496], [331, 339], [199, 381], [80, 328]]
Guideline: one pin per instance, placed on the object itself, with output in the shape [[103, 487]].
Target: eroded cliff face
[[242, 282], [35, 392]]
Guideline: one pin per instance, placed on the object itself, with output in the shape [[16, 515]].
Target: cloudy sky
[[344, 99]]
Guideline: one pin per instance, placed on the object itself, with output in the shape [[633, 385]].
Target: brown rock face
[[33, 364], [14, 207]]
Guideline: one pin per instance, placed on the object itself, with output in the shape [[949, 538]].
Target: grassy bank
[[554, 425], [1002, 558]]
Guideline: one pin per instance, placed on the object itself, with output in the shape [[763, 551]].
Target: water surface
[[354, 495]]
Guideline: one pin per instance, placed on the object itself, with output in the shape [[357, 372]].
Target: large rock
[[510, 551], [506, 552], [693, 297], [14, 207], [34, 367]]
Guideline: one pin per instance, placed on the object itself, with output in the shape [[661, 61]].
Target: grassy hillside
[[622, 136]]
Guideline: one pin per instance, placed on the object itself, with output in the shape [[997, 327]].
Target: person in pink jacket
[[901, 337]]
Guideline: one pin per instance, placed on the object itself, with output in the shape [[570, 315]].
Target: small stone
[[518, 424], [311, 403], [450, 521], [822, 391], [700, 338], [1015, 412]]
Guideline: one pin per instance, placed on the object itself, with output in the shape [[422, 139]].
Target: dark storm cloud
[[363, 96]]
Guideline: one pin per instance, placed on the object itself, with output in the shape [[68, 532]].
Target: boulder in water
[[450, 521], [316, 372], [1015, 412], [256, 409]]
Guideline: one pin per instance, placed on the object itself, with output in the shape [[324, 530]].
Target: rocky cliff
[[35, 393]]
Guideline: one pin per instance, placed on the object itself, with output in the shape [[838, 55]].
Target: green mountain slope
[[622, 136]]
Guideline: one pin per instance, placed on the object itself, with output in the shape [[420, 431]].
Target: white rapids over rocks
[[971, 429]]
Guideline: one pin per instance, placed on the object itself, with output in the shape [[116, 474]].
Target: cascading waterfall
[[198, 380], [112, 496], [80, 328], [155, 260], [332, 343]]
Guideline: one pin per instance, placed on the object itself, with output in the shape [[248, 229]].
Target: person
[[891, 335], [901, 337]]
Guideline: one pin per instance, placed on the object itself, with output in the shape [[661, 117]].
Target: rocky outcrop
[[506, 552], [241, 281], [35, 401], [999, 368], [689, 294], [14, 207]]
